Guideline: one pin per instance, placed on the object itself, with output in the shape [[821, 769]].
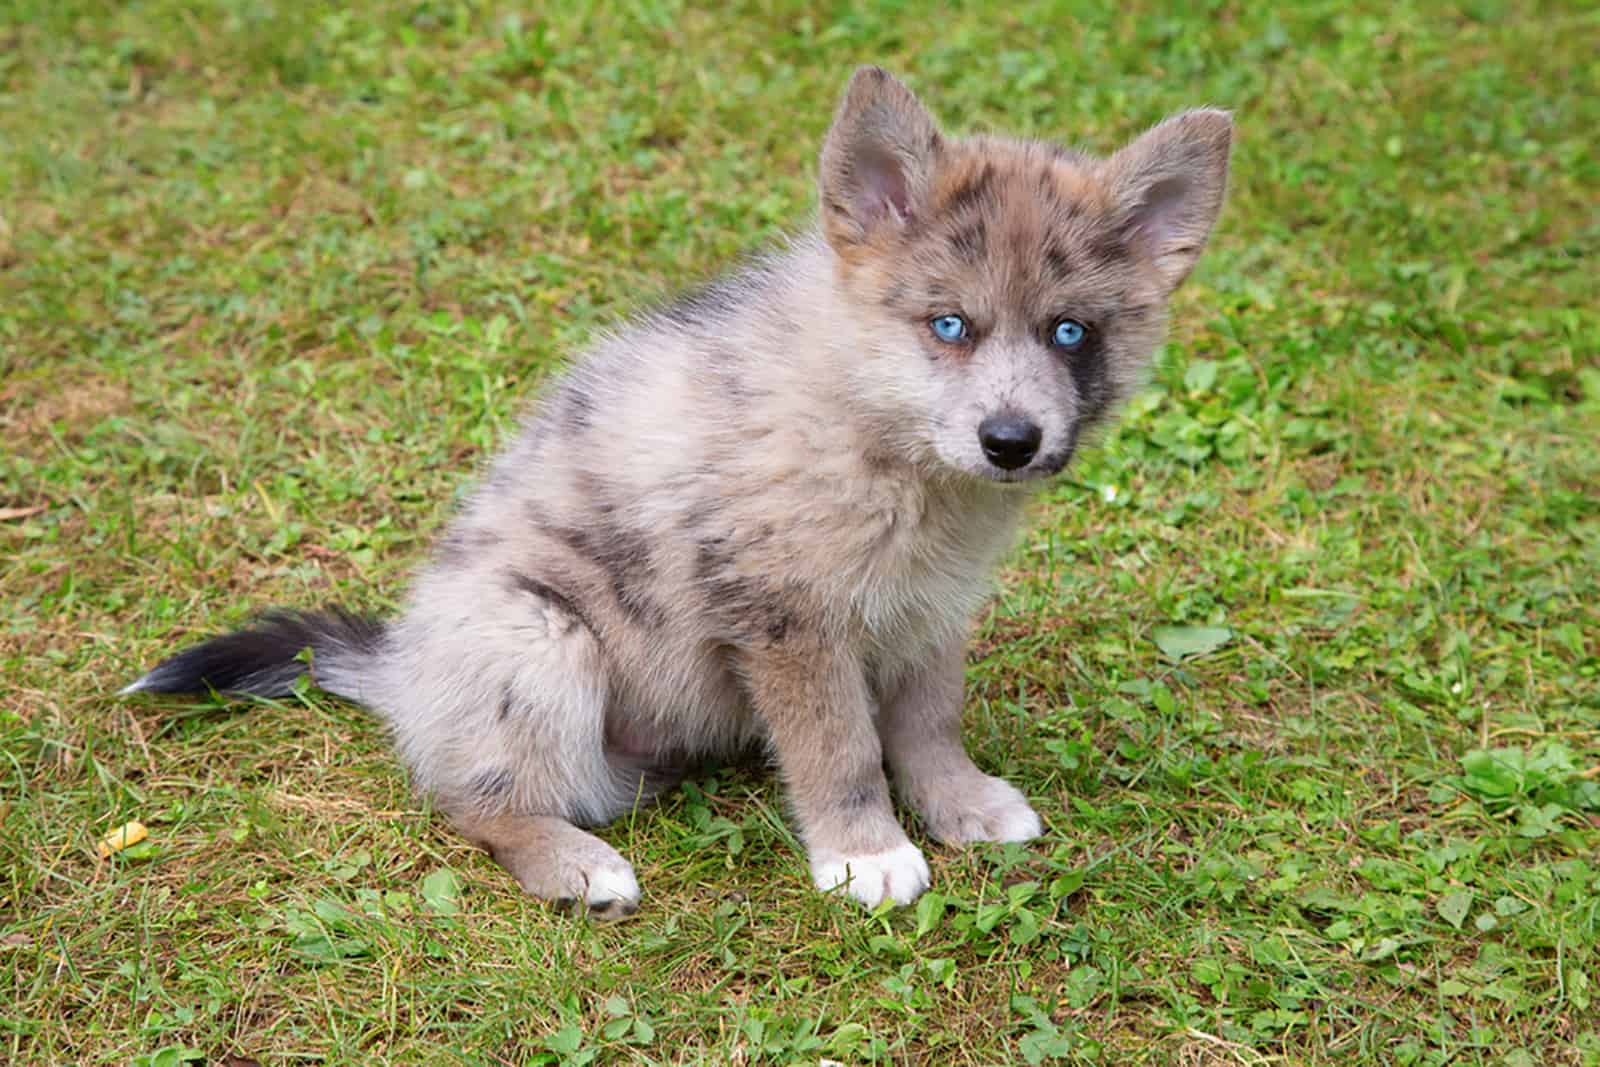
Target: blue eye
[[950, 329], [1069, 333]]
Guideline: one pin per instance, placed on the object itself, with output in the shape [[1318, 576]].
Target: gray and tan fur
[[763, 517]]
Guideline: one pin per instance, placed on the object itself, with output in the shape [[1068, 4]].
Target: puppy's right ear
[[1169, 185], [877, 163]]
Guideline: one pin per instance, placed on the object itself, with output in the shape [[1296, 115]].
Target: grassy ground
[[273, 279]]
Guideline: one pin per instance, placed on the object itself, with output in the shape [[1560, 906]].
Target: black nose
[[1009, 441]]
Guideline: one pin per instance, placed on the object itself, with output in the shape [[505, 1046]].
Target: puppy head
[[1010, 292]]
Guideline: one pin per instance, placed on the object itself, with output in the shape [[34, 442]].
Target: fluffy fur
[[762, 518]]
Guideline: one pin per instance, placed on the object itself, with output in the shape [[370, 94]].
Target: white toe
[[612, 885], [899, 874], [1017, 821], [994, 811]]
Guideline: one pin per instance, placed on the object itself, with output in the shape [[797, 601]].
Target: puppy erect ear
[[877, 162], [1168, 187]]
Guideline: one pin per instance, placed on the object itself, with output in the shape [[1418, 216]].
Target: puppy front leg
[[818, 714], [921, 729]]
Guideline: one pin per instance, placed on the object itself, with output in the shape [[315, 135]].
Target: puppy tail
[[336, 648]]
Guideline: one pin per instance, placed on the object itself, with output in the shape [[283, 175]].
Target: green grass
[[275, 278]]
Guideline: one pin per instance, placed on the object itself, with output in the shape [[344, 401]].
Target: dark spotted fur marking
[[971, 242], [492, 784], [732, 387], [1057, 262], [779, 619], [970, 193], [719, 298], [579, 411], [713, 560], [459, 545], [709, 303], [865, 792], [1109, 247], [697, 514], [754, 609], [623, 556], [527, 583]]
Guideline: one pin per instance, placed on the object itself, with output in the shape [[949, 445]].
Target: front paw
[[899, 874], [991, 810]]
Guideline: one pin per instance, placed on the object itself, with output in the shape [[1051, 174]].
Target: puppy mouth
[[1043, 467], [1053, 463]]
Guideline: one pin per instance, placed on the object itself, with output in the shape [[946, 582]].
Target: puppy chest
[[919, 600]]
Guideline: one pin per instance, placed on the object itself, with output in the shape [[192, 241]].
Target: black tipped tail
[[266, 658]]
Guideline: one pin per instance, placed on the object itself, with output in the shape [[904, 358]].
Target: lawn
[[1301, 665]]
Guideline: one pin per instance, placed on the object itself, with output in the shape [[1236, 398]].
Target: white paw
[[611, 891], [899, 874], [996, 811]]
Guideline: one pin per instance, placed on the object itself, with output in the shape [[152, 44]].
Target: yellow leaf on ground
[[123, 836]]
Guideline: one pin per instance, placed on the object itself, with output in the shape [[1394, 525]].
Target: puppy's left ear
[[877, 162], [1168, 187]]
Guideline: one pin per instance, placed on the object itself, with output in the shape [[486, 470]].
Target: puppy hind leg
[[502, 720], [554, 860], [506, 713]]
